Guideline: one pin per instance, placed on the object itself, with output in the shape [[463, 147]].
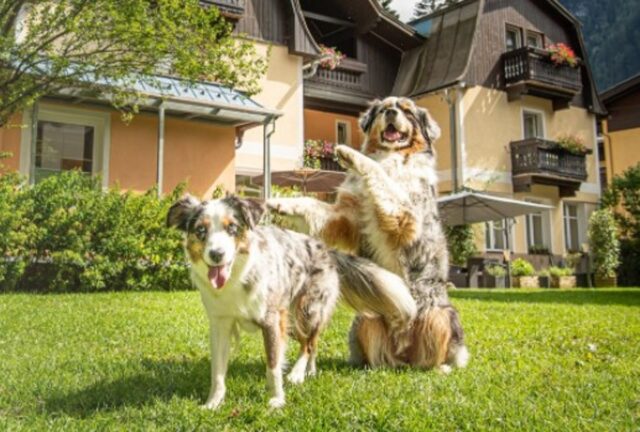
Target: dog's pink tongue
[[392, 134], [218, 276]]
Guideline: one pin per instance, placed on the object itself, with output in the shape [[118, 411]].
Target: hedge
[[67, 233]]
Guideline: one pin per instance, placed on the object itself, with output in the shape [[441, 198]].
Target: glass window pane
[[61, 147]]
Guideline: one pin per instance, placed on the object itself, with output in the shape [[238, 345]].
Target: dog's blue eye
[[201, 232], [232, 229]]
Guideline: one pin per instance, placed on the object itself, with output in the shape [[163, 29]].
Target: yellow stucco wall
[[200, 153], [490, 123], [622, 150], [10, 143], [282, 89], [320, 125]]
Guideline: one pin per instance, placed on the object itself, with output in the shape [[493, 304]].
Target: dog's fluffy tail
[[371, 289]]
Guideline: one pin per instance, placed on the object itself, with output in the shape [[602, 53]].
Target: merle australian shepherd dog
[[386, 211]]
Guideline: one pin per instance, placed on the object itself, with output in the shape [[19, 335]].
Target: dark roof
[[443, 60], [621, 89]]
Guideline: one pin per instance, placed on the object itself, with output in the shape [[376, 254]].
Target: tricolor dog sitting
[[255, 277]]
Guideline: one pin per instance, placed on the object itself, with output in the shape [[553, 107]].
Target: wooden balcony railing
[[539, 161], [348, 75], [529, 71], [230, 8]]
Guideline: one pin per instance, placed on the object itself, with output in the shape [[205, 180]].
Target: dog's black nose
[[216, 255], [391, 113]]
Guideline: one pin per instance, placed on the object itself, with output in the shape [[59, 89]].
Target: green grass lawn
[[541, 360]]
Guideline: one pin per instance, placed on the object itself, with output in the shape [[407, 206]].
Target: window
[[66, 138], [572, 227], [343, 132], [513, 38], [63, 147], [604, 182], [495, 236], [533, 125], [538, 231], [534, 40]]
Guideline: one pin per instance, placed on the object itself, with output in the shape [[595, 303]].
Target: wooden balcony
[[233, 9], [529, 71], [543, 162], [338, 89]]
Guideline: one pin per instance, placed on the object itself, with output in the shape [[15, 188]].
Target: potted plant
[[605, 246], [320, 154], [562, 54], [573, 144], [494, 276], [562, 277], [544, 278], [524, 275], [331, 57]]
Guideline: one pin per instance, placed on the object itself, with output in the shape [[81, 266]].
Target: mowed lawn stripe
[[541, 360]]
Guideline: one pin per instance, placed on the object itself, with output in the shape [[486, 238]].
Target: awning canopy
[[192, 101], [472, 207]]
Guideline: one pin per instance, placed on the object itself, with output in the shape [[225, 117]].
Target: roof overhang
[[191, 101], [620, 89]]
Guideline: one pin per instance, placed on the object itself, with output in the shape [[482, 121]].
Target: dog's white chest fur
[[233, 300]]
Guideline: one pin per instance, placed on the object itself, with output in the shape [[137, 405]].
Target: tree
[[386, 4], [49, 45], [425, 7]]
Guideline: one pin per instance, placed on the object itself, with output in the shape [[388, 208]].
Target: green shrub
[[496, 271], [521, 267], [604, 243], [461, 243], [558, 272], [71, 235]]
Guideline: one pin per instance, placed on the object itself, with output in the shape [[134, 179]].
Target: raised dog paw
[[345, 155]]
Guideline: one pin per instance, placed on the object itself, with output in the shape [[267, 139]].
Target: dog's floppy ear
[[428, 125], [430, 128], [182, 211], [366, 119], [250, 210]]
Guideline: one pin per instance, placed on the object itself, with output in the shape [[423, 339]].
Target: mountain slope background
[[612, 34]]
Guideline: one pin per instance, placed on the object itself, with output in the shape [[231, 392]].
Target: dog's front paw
[[345, 155], [280, 206], [276, 402], [213, 403]]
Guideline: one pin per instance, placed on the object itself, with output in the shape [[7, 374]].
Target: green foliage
[[386, 4], [218, 192], [496, 270], [558, 272], [521, 267], [623, 197], [315, 150], [62, 42], [461, 243], [67, 234], [425, 7], [573, 144], [604, 243]]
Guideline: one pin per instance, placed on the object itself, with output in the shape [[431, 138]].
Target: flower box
[[563, 282], [526, 282]]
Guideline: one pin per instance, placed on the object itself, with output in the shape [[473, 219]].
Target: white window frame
[[348, 131], [518, 31], [579, 218], [537, 112], [547, 235], [539, 37], [489, 233], [100, 121]]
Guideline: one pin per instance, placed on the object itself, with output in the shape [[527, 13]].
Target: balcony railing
[[539, 161], [529, 70], [229, 8], [348, 75]]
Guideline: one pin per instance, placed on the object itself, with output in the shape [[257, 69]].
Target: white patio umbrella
[[472, 207]]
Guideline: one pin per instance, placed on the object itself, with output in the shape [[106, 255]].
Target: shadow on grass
[[625, 297], [164, 380]]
